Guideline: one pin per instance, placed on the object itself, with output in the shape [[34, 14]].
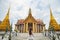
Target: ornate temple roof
[[30, 18], [39, 21], [21, 21]]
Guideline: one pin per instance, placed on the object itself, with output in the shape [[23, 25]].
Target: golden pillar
[[43, 28], [24, 27], [33, 27], [27, 27], [36, 28]]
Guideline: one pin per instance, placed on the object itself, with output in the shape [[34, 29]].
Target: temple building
[[5, 23], [23, 25], [53, 23]]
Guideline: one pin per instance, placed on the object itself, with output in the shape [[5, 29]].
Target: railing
[[53, 36]]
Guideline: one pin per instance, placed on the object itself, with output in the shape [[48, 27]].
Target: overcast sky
[[40, 9]]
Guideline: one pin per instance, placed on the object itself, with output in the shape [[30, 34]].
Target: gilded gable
[[30, 18]]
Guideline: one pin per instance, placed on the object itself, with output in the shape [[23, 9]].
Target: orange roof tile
[[20, 21], [39, 21]]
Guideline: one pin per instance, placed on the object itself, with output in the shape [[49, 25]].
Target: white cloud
[[44, 3], [58, 9]]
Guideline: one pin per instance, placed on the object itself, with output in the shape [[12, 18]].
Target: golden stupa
[[5, 23], [53, 22]]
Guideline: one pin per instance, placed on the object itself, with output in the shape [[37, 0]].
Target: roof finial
[[29, 11], [8, 11]]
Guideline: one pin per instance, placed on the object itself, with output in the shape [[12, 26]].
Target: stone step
[[25, 36]]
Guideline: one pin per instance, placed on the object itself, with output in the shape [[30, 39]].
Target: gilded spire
[[5, 23], [53, 22], [30, 16], [8, 11], [51, 15], [30, 12], [7, 16]]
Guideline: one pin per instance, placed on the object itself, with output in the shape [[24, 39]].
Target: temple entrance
[[30, 26]]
